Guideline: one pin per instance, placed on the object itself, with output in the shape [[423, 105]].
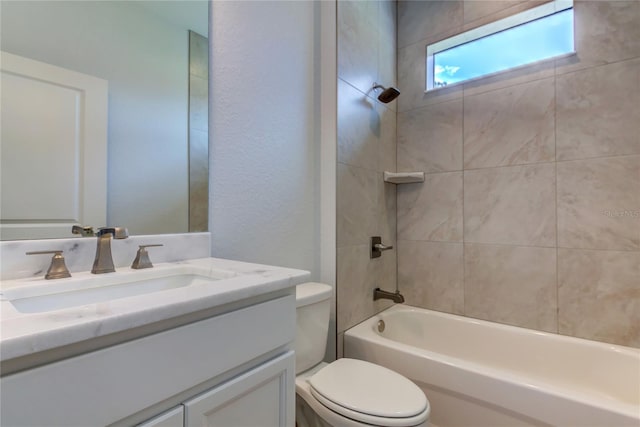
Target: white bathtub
[[478, 373]]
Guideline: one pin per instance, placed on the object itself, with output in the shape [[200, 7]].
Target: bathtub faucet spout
[[393, 296]]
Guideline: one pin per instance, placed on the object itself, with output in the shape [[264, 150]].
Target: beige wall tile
[[509, 78], [599, 203], [359, 128], [511, 284], [510, 126], [481, 12], [597, 111], [477, 9], [388, 278], [358, 43], [357, 205], [387, 219], [418, 20], [366, 206], [388, 42], [387, 145], [358, 276], [599, 295], [431, 210], [412, 80], [430, 275], [387, 192], [430, 138], [510, 205], [605, 32], [388, 77]]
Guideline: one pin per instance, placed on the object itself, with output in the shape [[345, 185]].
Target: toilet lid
[[364, 388]]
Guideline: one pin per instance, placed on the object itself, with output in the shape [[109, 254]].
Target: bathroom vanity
[[198, 342]]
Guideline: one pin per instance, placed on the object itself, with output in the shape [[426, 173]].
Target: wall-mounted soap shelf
[[403, 177]]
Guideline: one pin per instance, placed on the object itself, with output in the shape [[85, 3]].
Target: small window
[[535, 35]]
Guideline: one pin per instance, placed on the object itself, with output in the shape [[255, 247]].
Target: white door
[[263, 397], [53, 150]]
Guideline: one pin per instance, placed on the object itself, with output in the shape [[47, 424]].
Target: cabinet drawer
[[107, 385]]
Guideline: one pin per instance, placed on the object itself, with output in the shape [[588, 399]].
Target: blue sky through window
[[533, 41]]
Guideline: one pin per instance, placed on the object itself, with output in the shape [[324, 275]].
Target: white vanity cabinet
[[232, 369], [260, 397], [171, 418]]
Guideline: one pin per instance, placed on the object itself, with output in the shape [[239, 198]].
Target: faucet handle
[[377, 247], [142, 257], [57, 268], [116, 232]]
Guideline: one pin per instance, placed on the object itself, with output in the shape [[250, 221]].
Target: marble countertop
[[23, 334]]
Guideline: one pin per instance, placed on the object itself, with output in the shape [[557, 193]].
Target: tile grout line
[[591, 67], [555, 142], [516, 245], [395, 144], [517, 83], [464, 264], [599, 157], [532, 164]]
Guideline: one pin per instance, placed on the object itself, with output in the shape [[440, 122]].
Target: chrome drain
[[381, 325]]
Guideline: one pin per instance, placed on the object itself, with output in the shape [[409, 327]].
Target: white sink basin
[[41, 296]]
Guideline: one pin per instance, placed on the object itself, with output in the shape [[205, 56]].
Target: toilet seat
[[369, 393]]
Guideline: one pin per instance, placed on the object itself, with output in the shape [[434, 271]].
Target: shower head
[[388, 94]]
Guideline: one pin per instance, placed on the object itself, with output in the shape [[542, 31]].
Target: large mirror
[[104, 116]]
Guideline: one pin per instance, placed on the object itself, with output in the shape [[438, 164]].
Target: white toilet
[[346, 392]]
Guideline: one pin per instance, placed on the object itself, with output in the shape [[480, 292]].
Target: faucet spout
[[393, 296], [103, 262], [83, 231]]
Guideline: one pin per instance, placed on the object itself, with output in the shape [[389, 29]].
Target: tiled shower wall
[[530, 212], [366, 147]]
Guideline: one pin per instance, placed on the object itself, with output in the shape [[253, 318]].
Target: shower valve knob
[[377, 247]]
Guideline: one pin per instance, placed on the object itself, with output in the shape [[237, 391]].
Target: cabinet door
[[262, 397], [171, 418]]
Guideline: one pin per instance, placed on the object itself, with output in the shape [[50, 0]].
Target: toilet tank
[[313, 307]]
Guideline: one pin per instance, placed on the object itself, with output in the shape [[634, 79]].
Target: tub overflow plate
[[381, 325]]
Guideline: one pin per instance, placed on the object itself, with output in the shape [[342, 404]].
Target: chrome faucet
[[393, 296], [103, 262]]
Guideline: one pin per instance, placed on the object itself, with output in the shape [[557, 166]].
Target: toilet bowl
[[347, 392]]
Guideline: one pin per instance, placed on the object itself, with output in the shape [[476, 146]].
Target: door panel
[[54, 149]]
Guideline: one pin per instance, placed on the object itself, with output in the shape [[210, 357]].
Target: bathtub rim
[[366, 331]]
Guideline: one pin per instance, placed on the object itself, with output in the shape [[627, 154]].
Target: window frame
[[503, 24]]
